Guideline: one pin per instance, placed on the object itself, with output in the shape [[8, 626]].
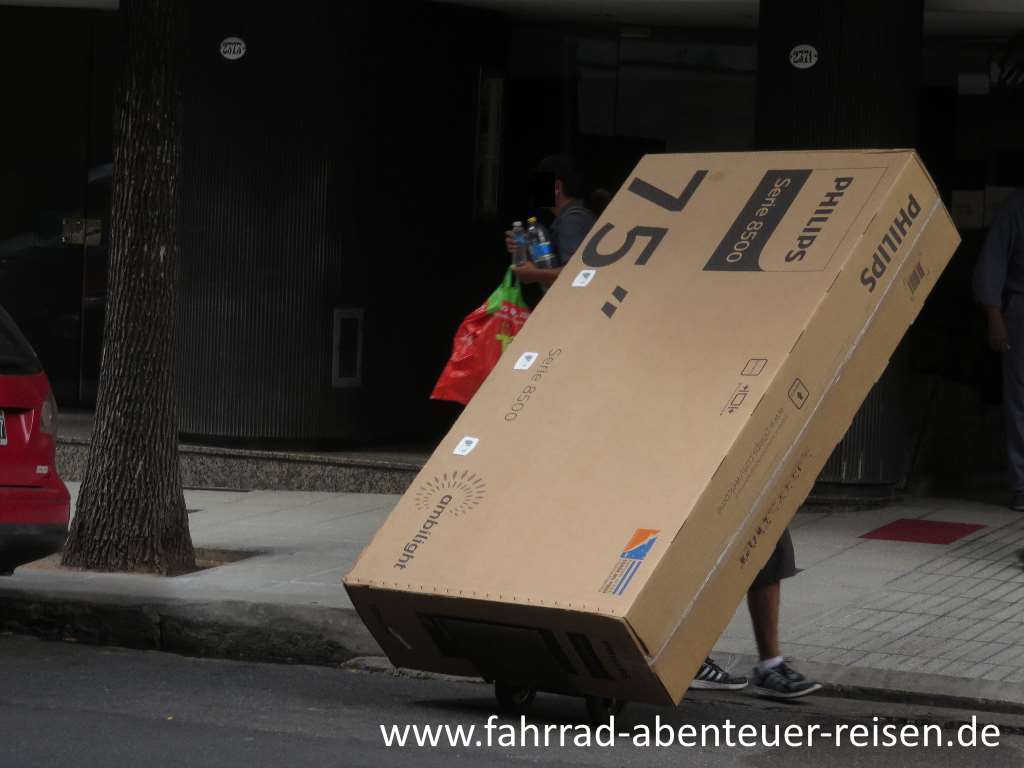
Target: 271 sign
[[803, 56], [232, 48]]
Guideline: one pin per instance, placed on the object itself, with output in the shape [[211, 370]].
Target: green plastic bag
[[480, 340]]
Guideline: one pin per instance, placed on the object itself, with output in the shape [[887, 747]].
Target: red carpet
[[923, 531]]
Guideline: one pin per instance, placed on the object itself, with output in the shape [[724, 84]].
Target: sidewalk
[[931, 621]]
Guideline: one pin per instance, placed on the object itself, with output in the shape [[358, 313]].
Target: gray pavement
[[301, 544], [939, 622], [63, 704], [900, 608]]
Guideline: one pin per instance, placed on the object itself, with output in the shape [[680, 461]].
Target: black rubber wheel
[[514, 699], [601, 710]]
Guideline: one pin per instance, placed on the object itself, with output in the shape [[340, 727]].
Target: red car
[[34, 503]]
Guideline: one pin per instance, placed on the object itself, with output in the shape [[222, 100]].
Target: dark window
[[16, 355], [348, 347]]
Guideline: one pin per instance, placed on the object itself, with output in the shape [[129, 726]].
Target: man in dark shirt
[[999, 288], [572, 219]]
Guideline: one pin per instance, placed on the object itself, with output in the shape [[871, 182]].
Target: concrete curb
[[227, 629], [324, 636]]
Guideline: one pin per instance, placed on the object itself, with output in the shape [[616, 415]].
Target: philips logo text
[[821, 216], [890, 244]]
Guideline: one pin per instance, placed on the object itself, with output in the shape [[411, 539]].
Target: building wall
[[329, 170]]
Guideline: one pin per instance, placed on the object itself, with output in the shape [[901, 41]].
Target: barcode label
[[915, 277]]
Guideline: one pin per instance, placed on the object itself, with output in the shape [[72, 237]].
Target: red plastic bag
[[480, 340]]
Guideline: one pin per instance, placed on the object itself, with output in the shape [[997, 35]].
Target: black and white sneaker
[[712, 677], [782, 682]]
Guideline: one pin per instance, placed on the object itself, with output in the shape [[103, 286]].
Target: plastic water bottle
[[542, 252], [522, 254]]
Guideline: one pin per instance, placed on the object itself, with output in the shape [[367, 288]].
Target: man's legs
[[772, 676], [763, 603], [1013, 397]]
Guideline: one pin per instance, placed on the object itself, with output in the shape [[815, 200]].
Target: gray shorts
[[781, 565]]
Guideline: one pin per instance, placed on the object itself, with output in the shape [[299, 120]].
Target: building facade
[[349, 169]]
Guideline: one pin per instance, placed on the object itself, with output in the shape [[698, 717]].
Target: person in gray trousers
[[999, 289]]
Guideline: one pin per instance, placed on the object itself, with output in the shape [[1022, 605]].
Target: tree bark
[[131, 512]]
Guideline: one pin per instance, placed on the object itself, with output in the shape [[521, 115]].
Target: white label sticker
[[42, 469], [526, 361], [466, 446], [583, 278]]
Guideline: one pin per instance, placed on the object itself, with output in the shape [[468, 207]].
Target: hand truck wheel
[[602, 709], [514, 699]]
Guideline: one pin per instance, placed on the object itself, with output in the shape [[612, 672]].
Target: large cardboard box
[[593, 519]]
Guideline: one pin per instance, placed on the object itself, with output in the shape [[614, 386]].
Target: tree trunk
[[131, 510]]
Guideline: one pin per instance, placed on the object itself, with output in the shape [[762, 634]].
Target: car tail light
[[48, 421]]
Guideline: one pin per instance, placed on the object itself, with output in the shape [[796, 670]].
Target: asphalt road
[[69, 705]]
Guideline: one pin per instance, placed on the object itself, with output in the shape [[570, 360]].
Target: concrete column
[[845, 74]]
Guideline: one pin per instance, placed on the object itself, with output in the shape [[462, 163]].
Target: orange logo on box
[[642, 536], [633, 554]]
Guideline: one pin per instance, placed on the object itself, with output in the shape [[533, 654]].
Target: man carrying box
[[702, 380]]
